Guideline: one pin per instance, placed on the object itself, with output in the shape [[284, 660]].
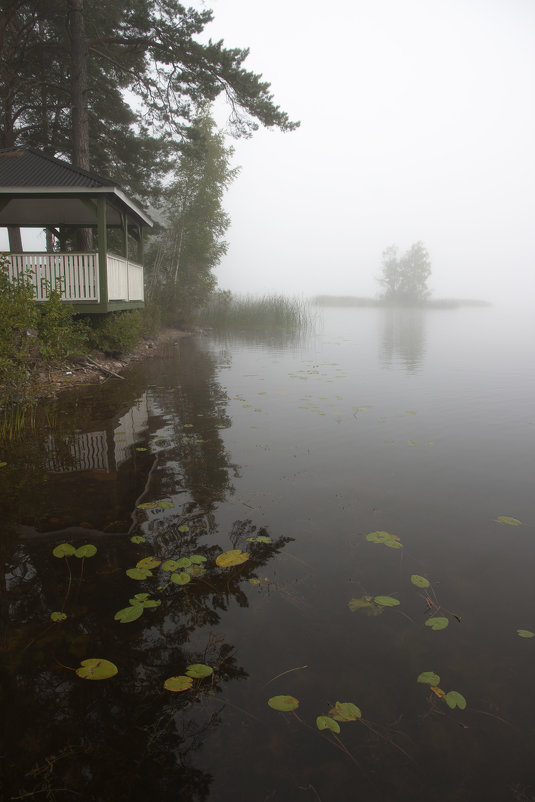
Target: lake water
[[420, 424]]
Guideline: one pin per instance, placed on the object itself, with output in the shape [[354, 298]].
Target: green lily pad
[[429, 678], [455, 699], [230, 558], [199, 670], [138, 573], [141, 449], [327, 723], [197, 559], [86, 551], [128, 614], [366, 604], [181, 579], [179, 683], [439, 622], [184, 562], [387, 539], [525, 633], [254, 581], [3, 464], [165, 505], [183, 528], [148, 562], [420, 581], [506, 519], [138, 539], [148, 505], [283, 703], [139, 597], [169, 565], [96, 668], [386, 601], [64, 550], [345, 711], [57, 617]]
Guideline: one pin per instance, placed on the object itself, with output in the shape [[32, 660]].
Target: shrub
[[117, 331]]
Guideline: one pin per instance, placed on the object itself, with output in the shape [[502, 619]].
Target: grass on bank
[[225, 311]]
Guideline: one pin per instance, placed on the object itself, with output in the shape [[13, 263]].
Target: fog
[[417, 123]]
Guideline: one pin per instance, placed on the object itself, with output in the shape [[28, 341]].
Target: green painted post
[[102, 250]]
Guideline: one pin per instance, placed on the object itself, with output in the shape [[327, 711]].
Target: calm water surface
[[420, 424]]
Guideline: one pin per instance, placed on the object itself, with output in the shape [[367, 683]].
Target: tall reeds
[[225, 311]]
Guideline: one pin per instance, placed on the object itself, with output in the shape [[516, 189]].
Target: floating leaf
[[138, 539], [181, 579], [151, 603], [327, 723], [345, 711], [3, 464], [128, 614], [86, 551], [64, 550], [506, 519], [199, 670], [387, 539], [386, 601], [184, 562], [95, 668], [455, 699], [420, 581], [230, 558], [366, 604], [283, 703], [141, 449], [148, 505], [139, 597], [169, 565], [183, 528], [429, 677], [439, 622], [165, 505], [148, 562], [525, 633], [197, 559], [179, 683], [57, 617], [255, 581], [138, 573], [437, 691]]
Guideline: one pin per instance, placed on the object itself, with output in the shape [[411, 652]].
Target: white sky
[[417, 123]]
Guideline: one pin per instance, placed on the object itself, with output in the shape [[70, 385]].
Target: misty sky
[[417, 123]]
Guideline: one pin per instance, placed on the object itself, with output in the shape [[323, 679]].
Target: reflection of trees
[[124, 738], [403, 337]]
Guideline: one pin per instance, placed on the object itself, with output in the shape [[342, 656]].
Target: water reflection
[[403, 337], [126, 737]]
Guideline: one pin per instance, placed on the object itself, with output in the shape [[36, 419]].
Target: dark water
[[420, 424]]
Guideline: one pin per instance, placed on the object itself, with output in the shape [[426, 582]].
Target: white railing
[[125, 279], [75, 274]]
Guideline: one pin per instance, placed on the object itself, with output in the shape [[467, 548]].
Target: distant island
[[429, 303]]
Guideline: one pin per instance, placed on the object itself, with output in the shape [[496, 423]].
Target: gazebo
[[40, 191]]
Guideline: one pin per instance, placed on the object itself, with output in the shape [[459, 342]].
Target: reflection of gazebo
[[39, 191]]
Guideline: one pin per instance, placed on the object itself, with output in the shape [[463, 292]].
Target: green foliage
[[404, 278], [117, 331]]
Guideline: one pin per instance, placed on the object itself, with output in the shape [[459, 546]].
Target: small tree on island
[[404, 278]]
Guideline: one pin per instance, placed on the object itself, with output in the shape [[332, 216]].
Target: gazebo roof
[[39, 190]]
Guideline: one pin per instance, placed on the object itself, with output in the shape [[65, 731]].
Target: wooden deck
[[77, 276]]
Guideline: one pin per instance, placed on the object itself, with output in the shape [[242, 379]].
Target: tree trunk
[[79, 110]]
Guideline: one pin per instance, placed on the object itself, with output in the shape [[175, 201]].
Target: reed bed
[[267, 313]]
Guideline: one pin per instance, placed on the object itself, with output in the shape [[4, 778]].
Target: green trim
[[102, 249], [102, 309]]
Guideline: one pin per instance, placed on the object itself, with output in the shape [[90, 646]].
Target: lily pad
[[327, 723], [283, 703], [420, 581], [183, 528], [439, 622], [184, 562], [199, 670], [128, 614], [455, 699], [138, 539], [345, 711], [96, 668], [366, 604], [86, 551], [387, 539], [138, 573], [148, 505], [429, 678], [169, 565], [179, 683], [181, 578], [506, 519], [230, 558], [57, 617], [386, 601], [525, 633], [148, 562], [254, 581], [165, 505], [64, 550], [197, 559]]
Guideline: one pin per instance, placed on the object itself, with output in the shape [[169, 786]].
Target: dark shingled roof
[[24, 167]]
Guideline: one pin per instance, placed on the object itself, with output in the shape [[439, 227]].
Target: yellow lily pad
[[96, 668], [233, 557]]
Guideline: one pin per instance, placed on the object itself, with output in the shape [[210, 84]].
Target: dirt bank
[[96, 367]]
